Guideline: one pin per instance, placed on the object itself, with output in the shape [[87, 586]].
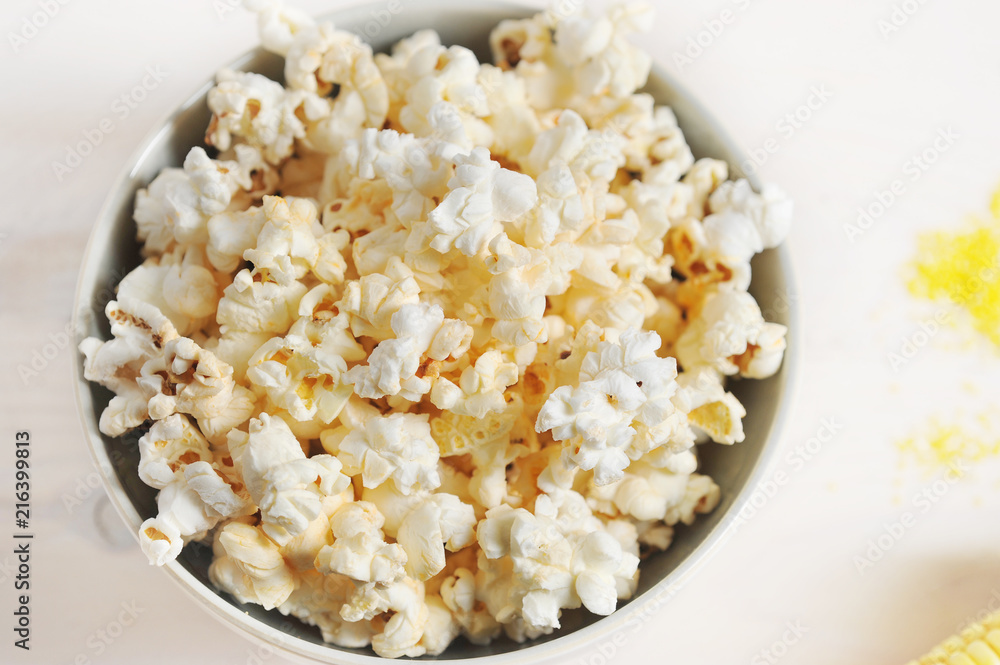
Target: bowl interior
[[113, 251]]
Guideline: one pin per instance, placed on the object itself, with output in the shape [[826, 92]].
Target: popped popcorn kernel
[[424, 351]]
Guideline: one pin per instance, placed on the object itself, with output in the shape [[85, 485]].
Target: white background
[[795, 560]]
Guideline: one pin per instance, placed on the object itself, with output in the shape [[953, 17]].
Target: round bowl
[[113, 251]]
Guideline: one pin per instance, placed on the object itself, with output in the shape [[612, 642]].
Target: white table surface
[[794, 562]]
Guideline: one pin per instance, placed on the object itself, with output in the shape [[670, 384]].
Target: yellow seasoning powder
[[963, 266], [941, 446]]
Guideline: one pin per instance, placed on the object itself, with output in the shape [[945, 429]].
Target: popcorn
[[483, 196], [176, 206], [286, 485], [402, 633], [319, 58], [770, 211], [426, 348], [181, 287], [620, 409], [139, 332], [298, 379], [185, 378], [555, 564], [441, 521], [397, 447], [168, 446], [480, 387], [393, 365], [730, 335], [249, 566], [427, 80], [254, 109], [359, 550]]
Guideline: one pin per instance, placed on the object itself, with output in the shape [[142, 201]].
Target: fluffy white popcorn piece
[[258, 111], [230, 234], [397, 447], [436, 78], [286, 247], [299, 378], [139, 332], [514, 123], [488, 440], [402, 633], [483, 196], [176, 206], [560, 210], [656, 209], [440, 521], [480, 388], [249, 566], [254, 303], [619, 305], [287, 486], [300, 552], [557, 558], [595, 154], [655, 148], [729, 334], [192, 503], [523, 277], [186, 378], [645, 492], [359, 550], [459, 594], [569, 57], [413, 170], [703, 178], [371, 301], [620, 409], [441, 627], [317, 601], [168, 446], [321, 57], [180, 285], [709, 407], [770, 211], [393, 366], [598, 53], [278, 24]]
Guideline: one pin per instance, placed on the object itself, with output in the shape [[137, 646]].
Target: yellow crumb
[[963, 267], [940, 446]]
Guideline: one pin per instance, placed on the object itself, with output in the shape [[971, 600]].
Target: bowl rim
[[561, 646]]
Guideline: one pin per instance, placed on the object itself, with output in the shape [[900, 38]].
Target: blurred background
[[877, 536]]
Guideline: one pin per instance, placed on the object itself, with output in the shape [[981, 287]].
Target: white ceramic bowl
[[113, 251]]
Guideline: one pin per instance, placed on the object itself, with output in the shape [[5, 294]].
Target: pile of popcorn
[[424, 350]]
